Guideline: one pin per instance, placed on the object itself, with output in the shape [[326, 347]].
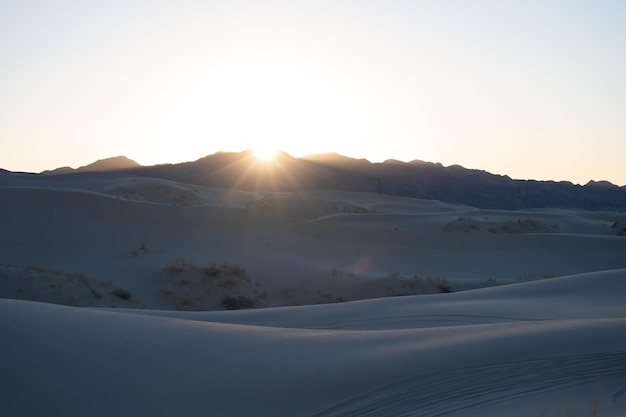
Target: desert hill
[[107, 164]]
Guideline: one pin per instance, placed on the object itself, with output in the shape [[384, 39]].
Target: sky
[[531, 89]]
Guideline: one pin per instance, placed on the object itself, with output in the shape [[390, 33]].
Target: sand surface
[[364, 309]]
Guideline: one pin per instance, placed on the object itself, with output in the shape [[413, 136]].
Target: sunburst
[[265, 153]]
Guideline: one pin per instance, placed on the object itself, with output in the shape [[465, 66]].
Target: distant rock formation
[[108, 164], [418, 179]]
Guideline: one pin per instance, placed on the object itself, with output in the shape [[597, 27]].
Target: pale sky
[[530, 88]]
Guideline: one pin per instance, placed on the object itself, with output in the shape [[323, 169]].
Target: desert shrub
[[236, 270], [212, 270], [238, 303], [82, 278], [179, 265], [228, 284], [328, 297], [444, 287], [122, 293], [142, 247]]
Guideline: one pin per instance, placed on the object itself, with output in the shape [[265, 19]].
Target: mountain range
[[417, 179]]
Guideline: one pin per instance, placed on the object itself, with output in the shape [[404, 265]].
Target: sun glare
[[265, 153]]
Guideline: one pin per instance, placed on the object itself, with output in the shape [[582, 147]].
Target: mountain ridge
[[107, 164], [417, 179]]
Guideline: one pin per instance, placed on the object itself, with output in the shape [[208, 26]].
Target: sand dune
[[301, 248], [139, 249], [527, 348]]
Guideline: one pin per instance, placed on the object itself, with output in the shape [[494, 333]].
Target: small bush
[[82, 278], [237, 303], [212, 270], [228, 284], [236, 270], [328, 297], [179, 265], [122, 294], [444, 287]]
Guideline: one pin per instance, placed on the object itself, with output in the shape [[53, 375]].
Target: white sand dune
[[547, 346], [301, 249], [551, 343]]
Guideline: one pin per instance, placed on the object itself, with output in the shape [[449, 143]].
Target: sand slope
[[317, 247], [138, 250], [526, 348]]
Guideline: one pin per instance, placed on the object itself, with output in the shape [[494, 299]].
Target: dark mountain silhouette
[[419, 179], [108, 164]]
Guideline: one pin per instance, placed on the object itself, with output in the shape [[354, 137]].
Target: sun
[[265, 153]]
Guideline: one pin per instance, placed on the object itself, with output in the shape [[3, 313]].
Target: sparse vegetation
[[444, 287], [228, 284], [179, 265], [495, 225], [198, 288], [238, 303], [325, 297], [536, 277], [212, 270], [621, 228], [137, 251], [236, 270], [296, 295], [122, 294], [40, 283]]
